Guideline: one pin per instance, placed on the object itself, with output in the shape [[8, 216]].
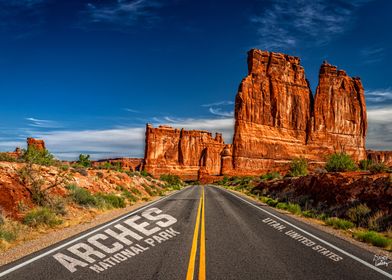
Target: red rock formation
[[182, 152], [37, 144], [380, 157], [132, 164], [272, 112], [339, 120]]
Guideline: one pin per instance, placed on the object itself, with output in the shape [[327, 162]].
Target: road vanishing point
[[201, 232]]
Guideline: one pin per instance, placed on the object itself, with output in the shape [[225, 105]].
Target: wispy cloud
[[372, 54], [131, 110], [220, 112], [286, 23], [219, 103], [379, 97], [123, 12], [43, 123]]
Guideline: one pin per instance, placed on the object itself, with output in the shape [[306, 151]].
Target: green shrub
[[378, 168], [374, 238], [144, 173], [109, 201], [171, 180], [42, 157], [58, 206], [282, 205], [271, 202], [365, 164], [270, 176], [136, 191], [149, 190], [359, 214], [82, 196], [298, 167], [340, 162], [294, 208], [339, 223], [7, 235], [309, 214], [128, 195], [84, 160], [379, 221], [41, 216], [7, 157]]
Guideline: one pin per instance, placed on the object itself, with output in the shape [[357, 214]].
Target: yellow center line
[[202, 264], [192, 259]]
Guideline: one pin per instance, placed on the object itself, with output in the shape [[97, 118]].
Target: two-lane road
[[200, 233]]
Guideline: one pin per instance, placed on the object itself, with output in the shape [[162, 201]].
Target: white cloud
[[219, 103], [379, 95], [379, 128], [131, 110], [122, 12], [220, 112], [288, 22], [43, 123]]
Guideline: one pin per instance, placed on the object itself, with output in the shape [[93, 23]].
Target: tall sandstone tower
[[276, 118]]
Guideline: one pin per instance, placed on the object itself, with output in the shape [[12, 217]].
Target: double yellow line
[[202, 257]]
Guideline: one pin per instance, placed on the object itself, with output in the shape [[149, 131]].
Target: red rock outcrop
[[339, 121], [132, 164], [37, 144], [277, 119], [182, 152], [380, 157], [272, 112]]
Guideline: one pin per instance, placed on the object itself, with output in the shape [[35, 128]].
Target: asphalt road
[[201, 233]]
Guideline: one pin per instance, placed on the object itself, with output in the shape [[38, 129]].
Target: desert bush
[[149, 190], [82, 171], [340, 162], [136, 191], [82, 196], [109, 201], [41, 216], [171, 180], [378, 168], [128, 195], [298, 167], [272, 202], [7, 235], [339, 223], [270, 176], [374, 238], [359, 214], [379, 221], [35, 156], [84, 160], [144, 173], [309, 214], [58, 205], [7, 157], [365, 164]]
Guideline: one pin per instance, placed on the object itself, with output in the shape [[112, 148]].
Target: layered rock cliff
[[272, 112], [37, 144], [182, 152], [276, 118]]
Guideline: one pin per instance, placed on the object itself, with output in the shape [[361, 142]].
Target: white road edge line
[[16, 267], [315, 237]]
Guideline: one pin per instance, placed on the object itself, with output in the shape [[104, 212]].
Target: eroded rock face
[[182, 152], [276, 118], [272, 112], [339, 121], [37, 144], [380, 157]]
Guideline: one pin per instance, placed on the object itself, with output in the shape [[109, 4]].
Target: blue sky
[[86, 76]]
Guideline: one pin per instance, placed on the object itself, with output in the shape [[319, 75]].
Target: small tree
[[298, 167], [340, 162], [84, 160], [37, 156]]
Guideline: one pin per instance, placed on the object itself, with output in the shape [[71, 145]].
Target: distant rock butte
[[182, 152], [37, 144], [276, 119]]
